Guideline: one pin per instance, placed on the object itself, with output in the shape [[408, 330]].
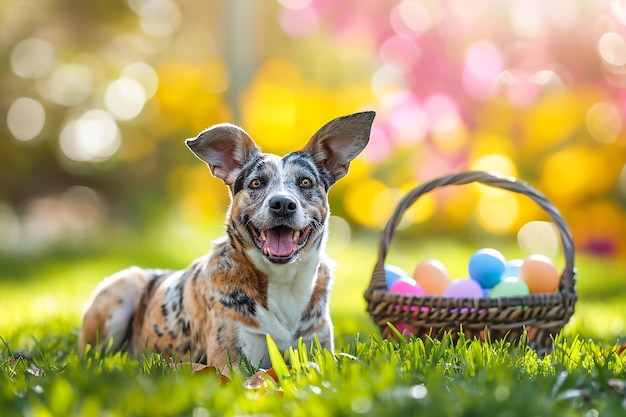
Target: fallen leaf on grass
[[259, 381], [32, 369], [256, 381], [199, 368]]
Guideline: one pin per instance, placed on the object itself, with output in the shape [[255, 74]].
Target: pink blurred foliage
[[450, 71]]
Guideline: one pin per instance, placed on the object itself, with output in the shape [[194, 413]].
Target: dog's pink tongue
[[279, 241]]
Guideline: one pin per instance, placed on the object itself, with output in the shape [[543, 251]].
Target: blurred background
[[98, 96]]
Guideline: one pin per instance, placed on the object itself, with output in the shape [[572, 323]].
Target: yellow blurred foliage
[[198, 193], [553, 120], [574, 173], [191, 95], [281, 110]]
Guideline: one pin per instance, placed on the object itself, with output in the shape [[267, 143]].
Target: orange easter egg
[[432, 276], [540, 274]]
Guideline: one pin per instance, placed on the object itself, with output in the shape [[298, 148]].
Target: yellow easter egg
[[432, 276], [540, 274]]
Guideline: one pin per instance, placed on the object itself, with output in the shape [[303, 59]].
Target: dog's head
[[279, 205]]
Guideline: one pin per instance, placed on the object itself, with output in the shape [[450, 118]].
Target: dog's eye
[[256, 183], [306, 182]]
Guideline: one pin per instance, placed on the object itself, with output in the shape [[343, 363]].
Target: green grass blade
[[277, 360]]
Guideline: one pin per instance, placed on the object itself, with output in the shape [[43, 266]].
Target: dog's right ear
[[225, 148]]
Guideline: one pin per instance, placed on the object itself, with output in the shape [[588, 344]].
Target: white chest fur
[[289, 290]]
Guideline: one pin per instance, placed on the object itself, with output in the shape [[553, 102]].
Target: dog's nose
[[283, 206]]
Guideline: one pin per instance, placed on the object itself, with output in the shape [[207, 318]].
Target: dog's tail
[[110, 311]]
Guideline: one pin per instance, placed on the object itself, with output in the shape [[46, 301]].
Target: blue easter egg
[[393, 273], [512, 268], [486, 266]]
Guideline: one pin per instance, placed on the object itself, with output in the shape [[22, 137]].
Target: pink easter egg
[[406, 329], [407, 286]]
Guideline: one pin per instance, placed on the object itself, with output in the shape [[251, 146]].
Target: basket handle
[[466, 177]]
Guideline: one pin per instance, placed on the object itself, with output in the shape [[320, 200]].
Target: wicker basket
[[542, 315]]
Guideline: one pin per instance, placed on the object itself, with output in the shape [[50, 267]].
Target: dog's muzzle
[[280, 244]]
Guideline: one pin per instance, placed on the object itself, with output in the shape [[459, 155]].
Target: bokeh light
[[483, 63], [158, 18], [125, 98], [604, 122], [298, 22], [497, 211], [26, 118], [411, 16], [528, 19], [32, 58], [539, 237], [145, 75], [68, 84], [500, 164], [400, 52], [93, 137], [612, 48]]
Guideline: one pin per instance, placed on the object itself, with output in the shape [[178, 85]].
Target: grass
[[42, 375]]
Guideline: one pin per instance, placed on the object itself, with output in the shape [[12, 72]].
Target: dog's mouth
[[280, 244]]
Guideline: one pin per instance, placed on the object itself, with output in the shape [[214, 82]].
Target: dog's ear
[[225, 148], [339, 141]]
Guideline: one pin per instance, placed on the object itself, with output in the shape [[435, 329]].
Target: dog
[[268, 276]]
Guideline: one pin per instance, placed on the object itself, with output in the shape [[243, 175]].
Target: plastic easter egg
[[512, 268], [486, 266], [432, 275], [406, 329], [463, 288], [406, 285], [392, 273], [540, 274], [509, 287]]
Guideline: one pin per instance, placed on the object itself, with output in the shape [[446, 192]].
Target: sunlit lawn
[[42, 298], [38, 288]]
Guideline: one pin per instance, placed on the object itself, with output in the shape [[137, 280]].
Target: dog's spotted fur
[[268, 275]]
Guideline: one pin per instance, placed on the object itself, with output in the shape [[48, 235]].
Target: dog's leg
[[112, 307]]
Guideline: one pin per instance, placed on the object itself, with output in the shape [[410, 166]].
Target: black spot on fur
[[196, 276], [250, 166], [158, 330], [180, 290], [152, 283], [239, 301], [322, 175], [234, 231], [220, 333], [174, 307], [185, 347], [185, 326]]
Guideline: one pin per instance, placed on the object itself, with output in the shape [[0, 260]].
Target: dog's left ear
[[225, 148], [339, 141]]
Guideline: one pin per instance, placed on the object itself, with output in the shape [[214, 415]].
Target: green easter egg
[[509, 287]]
